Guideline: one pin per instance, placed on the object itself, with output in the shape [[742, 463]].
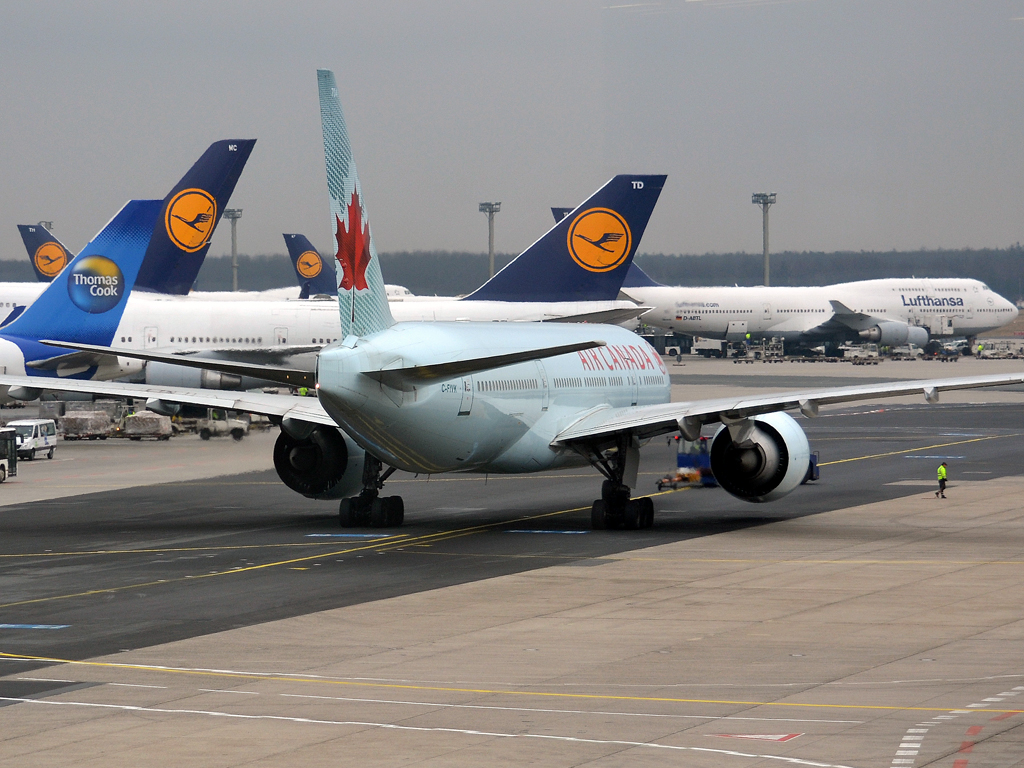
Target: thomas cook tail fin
[[362, 299], [191, 211], [315, 274], [586, 255], [84, 303], [46, 253]]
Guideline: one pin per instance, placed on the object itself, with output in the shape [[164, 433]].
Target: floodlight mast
[[765, 200], [490, 209], [233, 215]]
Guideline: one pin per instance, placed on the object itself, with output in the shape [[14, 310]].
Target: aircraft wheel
[[599, 515], [631, 515], [394, 511], [378, 513], [646, 512], [347, 513]]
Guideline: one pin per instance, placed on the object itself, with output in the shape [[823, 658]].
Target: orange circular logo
[[190, 217], [309, 264], [599, 240], [50, 259]]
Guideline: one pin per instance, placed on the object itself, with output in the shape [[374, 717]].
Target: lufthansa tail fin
[[635, 277], [315, 275], [190, 213], [362, 299], [586, 255], [84, 303], [47, 254]]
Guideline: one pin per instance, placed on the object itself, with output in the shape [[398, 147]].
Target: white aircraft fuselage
[[945, 307], [502, 420]]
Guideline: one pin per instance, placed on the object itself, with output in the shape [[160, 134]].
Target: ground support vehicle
[[693, 465], [219, 423], [86, 425], [145, 424], [8, 453], [34, 436]]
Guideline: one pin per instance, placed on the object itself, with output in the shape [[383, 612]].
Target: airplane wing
[[276, 406], [858, 321], [291, 377], [651, 420], [608, 316]]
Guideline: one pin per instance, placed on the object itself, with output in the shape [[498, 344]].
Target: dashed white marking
[[422, 729], [220, 690], [46, 680], [136, 685]]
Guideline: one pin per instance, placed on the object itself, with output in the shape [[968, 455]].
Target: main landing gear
[[369, 509], [615, 509]]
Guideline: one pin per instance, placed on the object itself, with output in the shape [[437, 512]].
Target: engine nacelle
[[327, 464], [770, 463], [892, 334], [169, 375]]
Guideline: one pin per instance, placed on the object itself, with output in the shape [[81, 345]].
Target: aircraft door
[[767, 311], [281, 335], [151, 338], [467, 396], [542, 377], [634, 386]]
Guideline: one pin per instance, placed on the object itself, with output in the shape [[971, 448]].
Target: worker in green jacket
[[942, 481]]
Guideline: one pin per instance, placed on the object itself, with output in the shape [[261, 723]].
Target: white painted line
[[136, 685], [564, 711], [977, 706], [46, 680], [906, 752], [917, 730], [219, 690], [993, 699], [420, 729]]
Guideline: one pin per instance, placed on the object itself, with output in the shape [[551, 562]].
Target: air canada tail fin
[[47, 254], [84, 303], [315, 275], [190, 213], [586, 255], [362, 299]]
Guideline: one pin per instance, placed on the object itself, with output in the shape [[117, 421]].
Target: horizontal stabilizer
[[289, 376], [406, 378]]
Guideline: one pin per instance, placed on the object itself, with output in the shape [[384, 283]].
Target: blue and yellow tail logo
[[190, 218], [95, 284], [599, 239], [309, 264], [50, 259]]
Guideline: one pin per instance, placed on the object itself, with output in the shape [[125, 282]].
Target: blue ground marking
[[34, 626], [348, 535], [934, 457], [528, 530]]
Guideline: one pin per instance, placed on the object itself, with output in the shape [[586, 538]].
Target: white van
[[35, 435]]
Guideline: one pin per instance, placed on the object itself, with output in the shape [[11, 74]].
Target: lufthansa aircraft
[[892, 312], [496, 397]]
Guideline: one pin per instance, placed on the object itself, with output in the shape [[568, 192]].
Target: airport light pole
[[233, 215], [490, 209], [765, 200]]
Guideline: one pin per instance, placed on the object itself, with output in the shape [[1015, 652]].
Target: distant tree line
[[448, 273]]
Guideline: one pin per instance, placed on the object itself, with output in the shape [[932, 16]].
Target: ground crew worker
[[303, 391], [942, 481]]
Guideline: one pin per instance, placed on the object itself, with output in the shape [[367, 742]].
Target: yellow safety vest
[[942, 472]]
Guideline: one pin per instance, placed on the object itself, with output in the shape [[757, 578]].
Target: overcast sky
[[879, 124]]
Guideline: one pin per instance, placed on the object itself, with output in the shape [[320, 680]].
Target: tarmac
[[223, 621]]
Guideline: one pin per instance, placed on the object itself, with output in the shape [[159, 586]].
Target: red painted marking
[[1004, 716], [353, 248], [959, 764], [966, 747], [974, 730], [758, 736]]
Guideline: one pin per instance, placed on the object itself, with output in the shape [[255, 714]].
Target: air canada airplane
[[434, 397], [891, 311]]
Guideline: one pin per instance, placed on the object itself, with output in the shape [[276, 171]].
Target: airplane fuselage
[[500, 421], [946, 307]]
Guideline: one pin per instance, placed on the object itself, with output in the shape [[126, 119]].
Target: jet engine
[[762, 458], [169, 375], [326, 464], [892, 334]]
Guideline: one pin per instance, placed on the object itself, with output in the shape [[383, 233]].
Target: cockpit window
[[984, 287]]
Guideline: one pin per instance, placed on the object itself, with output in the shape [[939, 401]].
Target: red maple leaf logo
[[353, 248]]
